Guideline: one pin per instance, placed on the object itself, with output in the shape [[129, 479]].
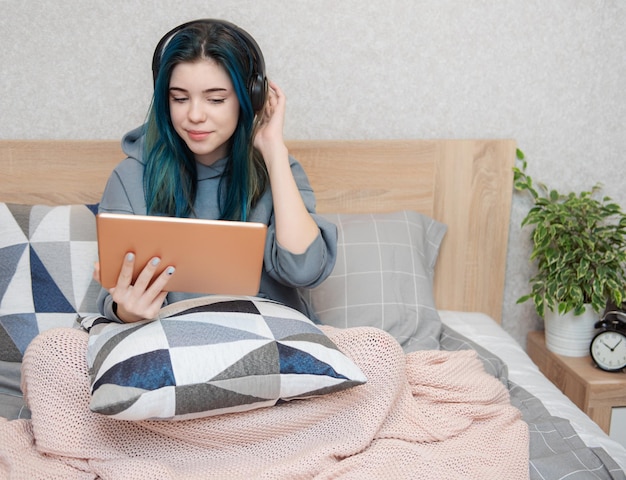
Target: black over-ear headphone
[[257, 82]]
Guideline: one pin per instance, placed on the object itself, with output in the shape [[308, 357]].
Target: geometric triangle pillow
[[210, 356], [46, 264]]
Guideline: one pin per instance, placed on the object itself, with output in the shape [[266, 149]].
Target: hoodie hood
[[132, 143]]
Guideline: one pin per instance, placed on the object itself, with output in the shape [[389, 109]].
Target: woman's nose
[[196, 112]]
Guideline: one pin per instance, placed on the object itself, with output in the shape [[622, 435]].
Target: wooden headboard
[[466, 184]]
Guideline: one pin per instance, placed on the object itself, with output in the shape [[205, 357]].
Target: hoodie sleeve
[[123, 194], [124, 189], [313, 266]]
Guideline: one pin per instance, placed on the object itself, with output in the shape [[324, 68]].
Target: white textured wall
[[550, 74]]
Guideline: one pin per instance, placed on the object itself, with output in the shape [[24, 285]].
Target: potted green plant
[[579, 249]]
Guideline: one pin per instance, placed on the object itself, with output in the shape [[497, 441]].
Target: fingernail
[[171, 270], [130, 257], [155, 261]]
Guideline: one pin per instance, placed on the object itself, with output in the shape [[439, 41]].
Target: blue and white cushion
[[46, 264], [211, 356]]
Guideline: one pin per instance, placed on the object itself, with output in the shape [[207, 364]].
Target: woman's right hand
[[143, 299]]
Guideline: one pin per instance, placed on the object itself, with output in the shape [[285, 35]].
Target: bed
[[461, 191]]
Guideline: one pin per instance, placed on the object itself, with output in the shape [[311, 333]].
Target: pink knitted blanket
[[427, 415]]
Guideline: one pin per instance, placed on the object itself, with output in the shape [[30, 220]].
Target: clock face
[[608, 350]]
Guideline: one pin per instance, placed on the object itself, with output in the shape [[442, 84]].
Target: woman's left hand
[[269, 134]]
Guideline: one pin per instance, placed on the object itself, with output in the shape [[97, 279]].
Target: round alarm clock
[[608, 346]]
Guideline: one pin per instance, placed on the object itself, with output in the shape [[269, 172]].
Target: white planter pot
[[570, 334]]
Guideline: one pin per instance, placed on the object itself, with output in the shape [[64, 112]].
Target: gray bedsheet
[[12, 404]]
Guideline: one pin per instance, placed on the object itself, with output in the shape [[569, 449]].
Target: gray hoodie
[[283, 273]]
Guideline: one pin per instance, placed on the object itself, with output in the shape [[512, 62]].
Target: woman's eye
[[179, 99], [217, 100]]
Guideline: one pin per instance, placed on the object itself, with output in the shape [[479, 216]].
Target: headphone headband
[[257, 81]]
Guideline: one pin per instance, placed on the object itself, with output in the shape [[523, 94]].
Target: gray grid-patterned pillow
[[384, 276]]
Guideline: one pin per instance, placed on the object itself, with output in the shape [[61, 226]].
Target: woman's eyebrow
[[208, 90]]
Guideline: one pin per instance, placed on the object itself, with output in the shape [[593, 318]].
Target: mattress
[[483, 330]]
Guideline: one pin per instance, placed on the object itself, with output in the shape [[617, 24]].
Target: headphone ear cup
[[257, 89]]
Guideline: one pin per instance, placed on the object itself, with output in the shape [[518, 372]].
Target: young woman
[[213, 147]]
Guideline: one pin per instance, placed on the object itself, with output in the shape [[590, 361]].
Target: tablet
[[210, 256]]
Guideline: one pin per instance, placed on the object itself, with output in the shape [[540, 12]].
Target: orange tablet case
[[210, 256]]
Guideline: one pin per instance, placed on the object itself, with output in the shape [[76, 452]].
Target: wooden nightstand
[[594, 391]]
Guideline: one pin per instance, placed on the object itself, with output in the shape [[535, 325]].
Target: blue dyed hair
[[170, 175]]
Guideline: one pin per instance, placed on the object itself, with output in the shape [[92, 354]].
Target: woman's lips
[[197, 136]]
